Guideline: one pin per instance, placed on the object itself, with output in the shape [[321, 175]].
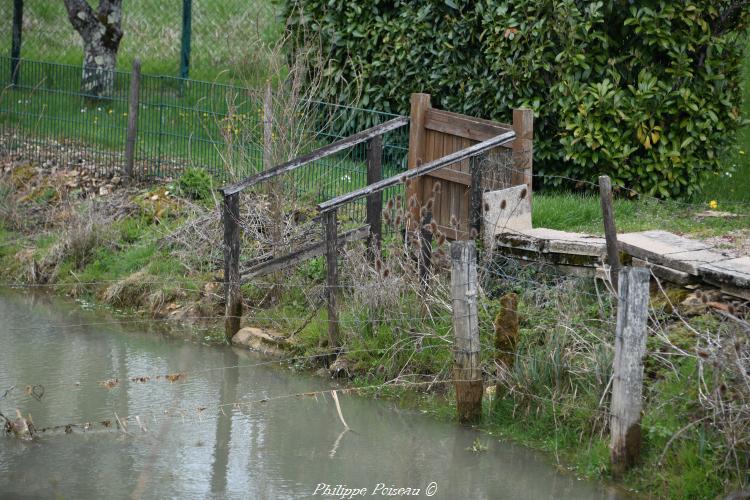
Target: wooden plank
[[232, 293], [413, 173], [627, 385], [375, 200], [451, 175], [468, 127], [316, 155], [420, 103], [301, 255], [467, 374], [610, 231], [332, 283], [133, 108]]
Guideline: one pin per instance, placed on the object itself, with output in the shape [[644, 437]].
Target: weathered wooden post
[[132, 133], [627, 387], [466, 349], [15, 49], [523, 148], [506, 335], [375, 200], [420, 103], [610, 230], [330, 232], [476, 167], [187, 34], [425, 254], [232, 293]]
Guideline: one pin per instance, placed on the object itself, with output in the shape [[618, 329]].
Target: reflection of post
[[222, 445]]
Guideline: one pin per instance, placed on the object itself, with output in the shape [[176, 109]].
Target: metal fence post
[[187, 33], [467, 374], [15, 50], [627, 386], [132, 133]]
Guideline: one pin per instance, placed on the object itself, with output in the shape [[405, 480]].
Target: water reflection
[[280, 449]]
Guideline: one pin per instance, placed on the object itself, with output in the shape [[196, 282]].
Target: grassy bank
[[152, 251]]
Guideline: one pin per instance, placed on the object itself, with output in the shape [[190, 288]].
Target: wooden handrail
[[443, 162], [318, 154]]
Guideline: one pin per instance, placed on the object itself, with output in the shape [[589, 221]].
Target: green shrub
[[647, 91], [196, 183]]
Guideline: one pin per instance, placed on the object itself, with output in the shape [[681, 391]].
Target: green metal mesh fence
[[181, 124], [224, 36]]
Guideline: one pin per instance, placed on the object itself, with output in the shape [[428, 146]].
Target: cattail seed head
[[486, 207], [386, 272], [703, 354], [704, 299], [378, 265], [524, 192], [398, 220], [731, 310], [398, 201], [503, 204], [390, 204], [403, 179]]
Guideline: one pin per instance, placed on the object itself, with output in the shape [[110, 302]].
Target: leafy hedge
[[647, 91]]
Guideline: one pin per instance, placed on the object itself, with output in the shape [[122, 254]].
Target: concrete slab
[[506, 210], [732, 275], [669, 250], [666, 273]]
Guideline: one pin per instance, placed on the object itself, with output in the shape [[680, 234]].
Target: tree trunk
[[101, 31]]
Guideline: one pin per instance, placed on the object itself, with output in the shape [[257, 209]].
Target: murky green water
[[185, 448]]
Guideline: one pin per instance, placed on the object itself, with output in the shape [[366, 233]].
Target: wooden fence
[[434, 133]]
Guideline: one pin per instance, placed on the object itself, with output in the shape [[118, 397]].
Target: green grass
[[582, 213]]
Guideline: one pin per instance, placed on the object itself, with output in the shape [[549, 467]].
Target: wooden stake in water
[[627, 386], [232, 293], [466, 371]]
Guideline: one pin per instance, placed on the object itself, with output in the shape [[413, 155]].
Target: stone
[[505, 211], [261, 340]]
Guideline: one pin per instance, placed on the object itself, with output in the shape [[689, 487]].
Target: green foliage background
[[647, 91]]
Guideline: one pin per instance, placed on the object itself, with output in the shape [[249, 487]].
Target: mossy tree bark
[[101, 31]]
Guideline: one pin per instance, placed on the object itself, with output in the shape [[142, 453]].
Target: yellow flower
[[713, 204]]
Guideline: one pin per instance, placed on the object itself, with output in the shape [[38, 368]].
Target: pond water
[[181, 443]]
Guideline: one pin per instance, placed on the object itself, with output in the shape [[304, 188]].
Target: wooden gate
[[435, 133]]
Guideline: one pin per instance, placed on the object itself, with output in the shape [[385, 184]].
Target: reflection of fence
[[181, 123], [169, 35]]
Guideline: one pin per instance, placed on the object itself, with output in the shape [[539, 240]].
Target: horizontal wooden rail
[[443, 162], [308, 252], [318, 154]]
